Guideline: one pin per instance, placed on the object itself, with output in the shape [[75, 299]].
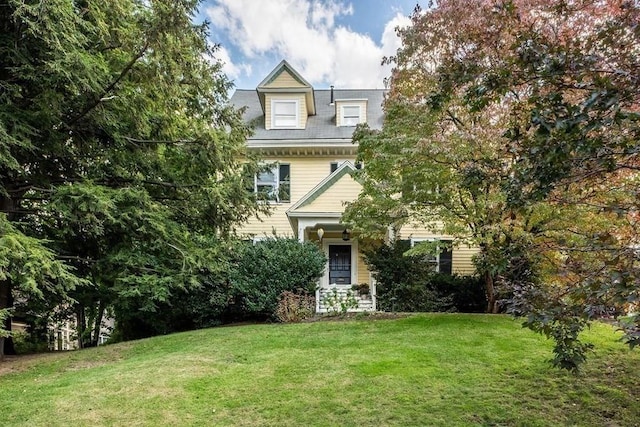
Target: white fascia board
[[295, 214], [299, 142]]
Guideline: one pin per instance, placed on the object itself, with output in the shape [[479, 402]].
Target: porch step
[[343, 298]]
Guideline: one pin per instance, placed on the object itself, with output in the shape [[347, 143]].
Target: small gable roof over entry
[[330, 194]]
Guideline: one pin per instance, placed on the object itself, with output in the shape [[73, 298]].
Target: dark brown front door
[[340, 264]]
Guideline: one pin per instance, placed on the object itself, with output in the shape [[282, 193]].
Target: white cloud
[[304, 32], [233, 71]]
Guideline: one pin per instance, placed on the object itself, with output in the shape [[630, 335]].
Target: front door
[[340, 264]]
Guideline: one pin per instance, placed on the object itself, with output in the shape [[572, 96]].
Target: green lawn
[[436, 369]]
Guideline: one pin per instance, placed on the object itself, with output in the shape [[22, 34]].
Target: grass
[[432, 369]]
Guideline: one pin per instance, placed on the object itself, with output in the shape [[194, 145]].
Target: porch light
[[320, 233], [345, 235]]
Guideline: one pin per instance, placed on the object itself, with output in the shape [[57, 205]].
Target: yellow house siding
[[278, 221], [309, 172], [306, 174], [462, 260], [363, 271], [332, 200], [284, 80], [302, 107], [417, 231]]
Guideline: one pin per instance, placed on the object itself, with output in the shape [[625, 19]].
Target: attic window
[[350, 115], [285, 114]]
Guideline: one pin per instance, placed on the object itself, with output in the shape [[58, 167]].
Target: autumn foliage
[[514, 125]]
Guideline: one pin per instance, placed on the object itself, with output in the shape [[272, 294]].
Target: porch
[[347, 284]]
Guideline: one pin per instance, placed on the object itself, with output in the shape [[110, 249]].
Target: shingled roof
[[322, 125]]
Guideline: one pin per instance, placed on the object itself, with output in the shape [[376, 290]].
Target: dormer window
[[285, 114], [351, 112], [350, 115]]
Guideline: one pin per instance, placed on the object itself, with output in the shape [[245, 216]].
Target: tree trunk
[[7, 206], [81, 326], [492, 305], [98, 325], [6, 344]]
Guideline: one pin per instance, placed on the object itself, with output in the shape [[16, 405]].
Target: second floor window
[[274, 183]]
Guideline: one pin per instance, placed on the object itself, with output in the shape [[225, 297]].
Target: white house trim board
[[302, 224], [302, 150], [320, 215]]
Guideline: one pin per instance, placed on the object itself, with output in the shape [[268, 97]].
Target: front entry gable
[[329, 196]]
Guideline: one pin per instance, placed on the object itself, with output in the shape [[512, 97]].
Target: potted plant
[[363, 289]]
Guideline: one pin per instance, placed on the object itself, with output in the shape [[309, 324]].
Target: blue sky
[[330, 42]]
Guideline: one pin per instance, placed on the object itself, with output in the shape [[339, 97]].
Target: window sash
[[350, 115], [284, 114], [435, 260], [274, 184]]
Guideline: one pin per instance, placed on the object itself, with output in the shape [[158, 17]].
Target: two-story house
[[305, 135]]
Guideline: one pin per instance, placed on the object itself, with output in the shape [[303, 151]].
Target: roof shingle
[[320, 126]]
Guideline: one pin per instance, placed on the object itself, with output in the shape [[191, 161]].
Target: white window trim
[[273, 113], [275, 169], [257, 239], [343, 116]]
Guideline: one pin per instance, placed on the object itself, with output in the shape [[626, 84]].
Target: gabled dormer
[[350, 112], [287, 99]]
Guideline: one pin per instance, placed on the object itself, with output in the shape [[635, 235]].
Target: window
[[274, 183], [336, 164], [284, 114], [350, 115], [442, 260]]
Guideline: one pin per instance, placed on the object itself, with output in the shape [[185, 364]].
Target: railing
[[338, 298]]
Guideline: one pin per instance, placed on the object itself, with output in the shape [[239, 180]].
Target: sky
[[329, 42]]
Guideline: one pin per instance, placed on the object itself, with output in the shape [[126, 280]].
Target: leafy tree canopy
[[117, 146], [514, 125]]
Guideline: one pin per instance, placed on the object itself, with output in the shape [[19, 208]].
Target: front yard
[[431, 369]]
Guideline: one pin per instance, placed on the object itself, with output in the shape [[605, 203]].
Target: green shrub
[[25, 343], [244, 282], [263, 271], [408, 283]]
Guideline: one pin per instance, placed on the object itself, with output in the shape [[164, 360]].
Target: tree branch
[[110, 87], [160, 141]]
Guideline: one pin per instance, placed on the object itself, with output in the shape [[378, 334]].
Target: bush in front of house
[[293, 307], [264, 270], [245, 285], [408, 283]]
